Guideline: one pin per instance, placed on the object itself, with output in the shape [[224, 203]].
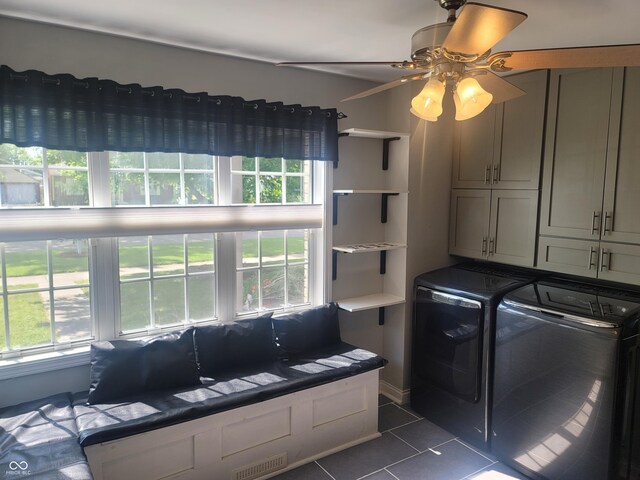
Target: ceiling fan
[[458, 53]]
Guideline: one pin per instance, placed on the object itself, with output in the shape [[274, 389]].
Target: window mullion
[[5, 301], [52, 312], [227, 276], [99, 179], [45, 179], [185, 287], [152, 301]]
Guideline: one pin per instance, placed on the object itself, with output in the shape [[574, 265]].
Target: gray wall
[[61, 50]]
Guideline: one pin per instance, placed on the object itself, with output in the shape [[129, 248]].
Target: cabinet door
[[469, 223], [473, 143], [566, 255], [619, 263], [520, 125], [621, 221], [575, 152], [514, 215]]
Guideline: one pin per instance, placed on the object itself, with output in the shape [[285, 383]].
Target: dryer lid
[[577, 299]]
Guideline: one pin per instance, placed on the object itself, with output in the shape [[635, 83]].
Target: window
[[179, 249]]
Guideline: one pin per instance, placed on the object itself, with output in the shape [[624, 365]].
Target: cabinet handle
[[492, 242], [591, 264], [484, 245], [595, 226], [496, 173], [487, 174], [604, 255], [607, 223]]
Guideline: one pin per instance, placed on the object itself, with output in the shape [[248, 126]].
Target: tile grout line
[[478, 471], [438, 445], [410, 413], [474, 450], [324, 470], [402, 440], [403, 425], [385, 469]]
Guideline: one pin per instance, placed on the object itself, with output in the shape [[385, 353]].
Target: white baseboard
[[401, 397]]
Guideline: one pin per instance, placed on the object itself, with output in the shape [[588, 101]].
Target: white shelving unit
[[362, 284], [368, 247]]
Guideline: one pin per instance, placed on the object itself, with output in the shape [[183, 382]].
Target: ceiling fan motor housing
[[451, 4], [425, 40]]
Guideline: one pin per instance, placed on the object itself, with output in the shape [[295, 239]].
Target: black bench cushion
[[121, 368], [39, 439], [242, 343], [307, 331], [109, 421]]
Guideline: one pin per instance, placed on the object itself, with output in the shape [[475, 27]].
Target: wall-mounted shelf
[[386, 137], [381, 247], [368, 302], [359, 280], [383, 208], [368, 247], [364, 133]]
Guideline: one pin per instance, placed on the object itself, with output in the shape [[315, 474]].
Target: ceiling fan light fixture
[[428, 103], [423, 117], [470, 98]]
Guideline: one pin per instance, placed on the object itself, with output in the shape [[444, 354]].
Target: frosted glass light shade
[[470, 98], [428, 103], [423, 117]]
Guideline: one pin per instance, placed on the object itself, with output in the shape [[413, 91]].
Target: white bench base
[[256, 441]]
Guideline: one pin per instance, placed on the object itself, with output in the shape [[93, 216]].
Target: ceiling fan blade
[[386, 86], [479, 27], [579, 57], [285, 64], [501, 89]]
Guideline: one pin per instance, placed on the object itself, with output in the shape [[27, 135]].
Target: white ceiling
[[325, 30]]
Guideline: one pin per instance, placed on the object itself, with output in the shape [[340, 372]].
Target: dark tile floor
[[410, 448]]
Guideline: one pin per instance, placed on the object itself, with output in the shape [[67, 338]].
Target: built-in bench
[[39, 439], [242, 410]]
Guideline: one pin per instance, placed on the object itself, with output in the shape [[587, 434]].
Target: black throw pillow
[[309, 330], [225, 347], [121, 368]]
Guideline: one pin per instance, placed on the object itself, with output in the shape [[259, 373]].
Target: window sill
[[44, 362]]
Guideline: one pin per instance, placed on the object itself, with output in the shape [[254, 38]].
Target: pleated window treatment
[[66, 113]]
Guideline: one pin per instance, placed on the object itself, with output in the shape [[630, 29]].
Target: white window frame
[[104, 269]]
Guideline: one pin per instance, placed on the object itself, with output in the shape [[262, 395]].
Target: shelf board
[[360, 132], [369, 247], [367, 302], [354, 190]]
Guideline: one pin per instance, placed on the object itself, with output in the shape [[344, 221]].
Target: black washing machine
[[453, 332], [566, 402]]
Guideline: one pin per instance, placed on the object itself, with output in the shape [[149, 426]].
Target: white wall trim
[[44, 362], [399, 396]]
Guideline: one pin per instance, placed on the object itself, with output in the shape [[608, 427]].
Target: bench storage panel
[[251, 441]]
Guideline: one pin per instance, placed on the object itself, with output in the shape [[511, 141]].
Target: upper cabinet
[[502, 147], [575, 152], [620, 217], [591, 174], [592, 156]]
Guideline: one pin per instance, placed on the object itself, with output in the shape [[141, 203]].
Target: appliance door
[[553, 397], [448, 343]]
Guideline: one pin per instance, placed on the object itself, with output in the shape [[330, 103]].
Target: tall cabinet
[[369, 234], [589, 222], [496, 174]]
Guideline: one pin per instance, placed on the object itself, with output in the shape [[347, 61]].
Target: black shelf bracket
[[335, 206], [383, 213], [383, 262], [334, 265], [385, 151], [340, 135], [381, 316]]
